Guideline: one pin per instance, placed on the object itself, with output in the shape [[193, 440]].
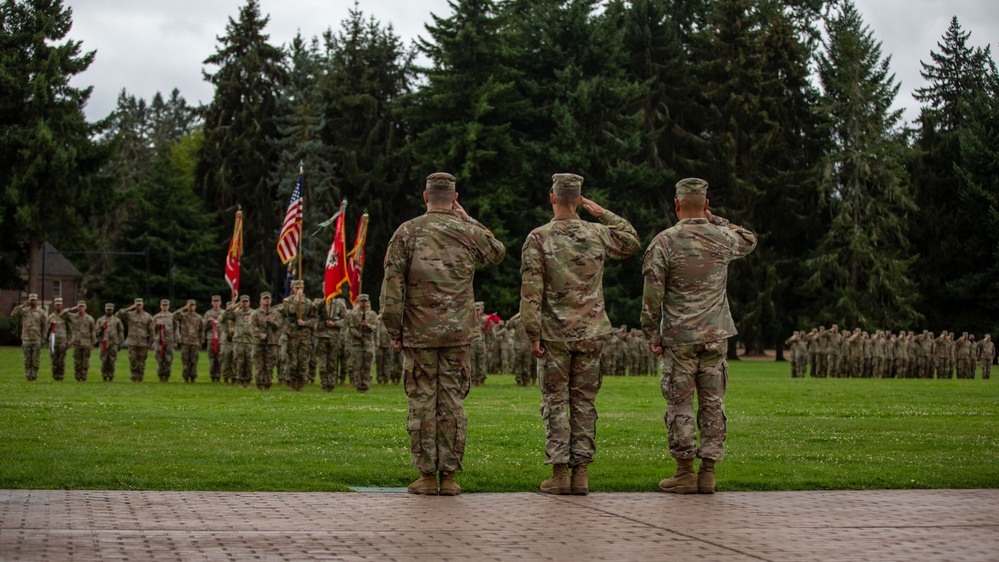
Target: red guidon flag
[[336, 259], [355, 259], [234, 255]]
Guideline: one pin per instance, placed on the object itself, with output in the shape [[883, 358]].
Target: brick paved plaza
[[186, 526]]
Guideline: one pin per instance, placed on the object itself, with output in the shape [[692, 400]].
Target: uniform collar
[[442, 211], [693, 221], [566, 217]]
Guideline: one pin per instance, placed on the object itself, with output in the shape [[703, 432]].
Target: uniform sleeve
[[489, 250], [532, 272], [655, 269], [623, 240], [393, 294], [744, 239]]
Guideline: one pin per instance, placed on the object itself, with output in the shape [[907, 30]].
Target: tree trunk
[[779, 351], [34, 263]]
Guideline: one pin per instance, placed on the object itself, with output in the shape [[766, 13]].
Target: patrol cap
[[137, 301], [245, 298], [695, 186], [57, 300], [298, 284], [480, 304], [265, 295], [191, 301], [567, 182], [109, 306], [81, 303], [165, 301], [363, 297], [216, 298], [441, 181], [33, 296]]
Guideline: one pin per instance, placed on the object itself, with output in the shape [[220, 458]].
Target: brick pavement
[[186, 526]]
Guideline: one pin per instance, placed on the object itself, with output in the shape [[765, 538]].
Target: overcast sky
[[147, 46]]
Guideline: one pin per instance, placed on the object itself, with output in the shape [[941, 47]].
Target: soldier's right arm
[[532, 271], [655, 269], [744, 240], [393, 295], [489, 250], [622, 240]]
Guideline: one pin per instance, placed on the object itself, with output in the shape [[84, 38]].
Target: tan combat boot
[[448, 486], [706, 477], [683, 481], [559, 482], [580, 481], [426, 485]]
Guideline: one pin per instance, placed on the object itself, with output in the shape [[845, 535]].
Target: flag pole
[[301, 172]]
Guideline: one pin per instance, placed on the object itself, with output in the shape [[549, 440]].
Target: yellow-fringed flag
[[355, 259], [336, 259]]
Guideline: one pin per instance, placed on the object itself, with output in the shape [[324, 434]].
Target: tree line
[[783, 107]]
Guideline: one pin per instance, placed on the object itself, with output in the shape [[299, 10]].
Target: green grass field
[[784, 434]]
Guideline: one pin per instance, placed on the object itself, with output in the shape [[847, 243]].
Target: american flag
[[287, 246]]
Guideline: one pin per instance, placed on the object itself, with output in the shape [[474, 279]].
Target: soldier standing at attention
[[384, 354], [190, 326], [360, 328], [266, 324], [479, 347], [298, 315], [564, 315], [427, 306], [242, 340], [214, 337], [33, 325], [329, 347], [686, 318], [57, 339], [83, 336], [140, 338], [986, 354], [165, 338], [110, 334]]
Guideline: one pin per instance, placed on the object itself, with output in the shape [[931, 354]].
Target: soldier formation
[[905, 355]]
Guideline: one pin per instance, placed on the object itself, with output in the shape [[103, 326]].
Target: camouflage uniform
[[986, 355], [110, 334], [299, 314], [266, 327], [478, 362], [562, 307], [855, 355], [329, 340], [360, 327], [191, 328], [33, 325], [427, 305], [83, 336], [387, 359], [685, 310], [58, 339], [965, 354], [242, 340], [812, 345], [139, 340], [941, 357], [520, 351], [165, 336], [215, 336]]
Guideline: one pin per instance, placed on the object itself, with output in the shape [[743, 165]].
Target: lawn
[[784, 434]]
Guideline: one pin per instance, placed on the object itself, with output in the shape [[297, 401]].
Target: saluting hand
[[457, 208], [591, 207]]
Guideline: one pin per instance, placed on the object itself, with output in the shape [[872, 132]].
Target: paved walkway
[[186, 526]]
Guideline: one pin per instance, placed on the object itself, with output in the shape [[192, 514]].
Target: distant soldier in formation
[[110, 334], [329, 340], [986, 355], [83, 336], [266, 325], [387, 359], [140, 338], [165, 337], [190, 328], [33, 325], [798, 346], [520, 351], [215, 336], [361, 325], [58, 339], [965, 354], [478, 360], [298, 313], [242, 340]]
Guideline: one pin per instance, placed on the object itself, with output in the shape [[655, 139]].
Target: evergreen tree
[[236, 158], [863, 263]]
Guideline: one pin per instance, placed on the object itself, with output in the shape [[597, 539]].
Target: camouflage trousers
[[521, 364], [32, 352], [359, 359], [986, 368], [965, 368], [214, 360], [264, 362], [109, 357], [226, 365], [821, 369], [299, 350], [387, 364], [329, 356], [436, 381], [478, 361], [164, 360], [137, 361], [81, 362], [189, 360], [242, 362], [569, 377], [704, 369], [800, 364], [58, 355], [943, 368]]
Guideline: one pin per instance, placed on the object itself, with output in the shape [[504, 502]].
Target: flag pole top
[[301, 166]]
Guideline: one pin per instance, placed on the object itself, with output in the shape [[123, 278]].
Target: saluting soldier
[[267, 327], [564, 315], [191, 327], [110, 334], [33, 325], [165, 339], [986, 355], [83, 336], [215, 336], [329, 340], [242, 340], [58, 339], [140, 338]]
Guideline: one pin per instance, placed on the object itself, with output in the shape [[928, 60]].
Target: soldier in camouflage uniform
[[965, 354], [686, 317], [215, 335], [140, 338], [564, 315], [110, 334], [360, 328], [265, 324], [986, 355], [329, 340], [427, 306], [33, 325], [165, 338], [83, 336], [242, 340], [478, 360], [298, 313], [57, 339], [190, 329], [941, 356], [520, 351], [384, 354]]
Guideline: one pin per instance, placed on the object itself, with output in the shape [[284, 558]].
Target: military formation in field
[[905, 355]]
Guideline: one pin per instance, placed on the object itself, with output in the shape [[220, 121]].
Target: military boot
[[426, 485], [580, 481], [706, 477], [448, 486], [683, 481], [559, 482]]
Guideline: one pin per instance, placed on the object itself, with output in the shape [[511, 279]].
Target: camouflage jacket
[[332, 311], [140, 327], [214, 328], [164, 329], [686, 273], [562, 271], [361, 327], [427, 298], [58, 326], [383, 339], [242, 327], [267, 322], [33, 323], [82, 329], [986, 351], [190, 326], [293, 312], [110, 331]]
